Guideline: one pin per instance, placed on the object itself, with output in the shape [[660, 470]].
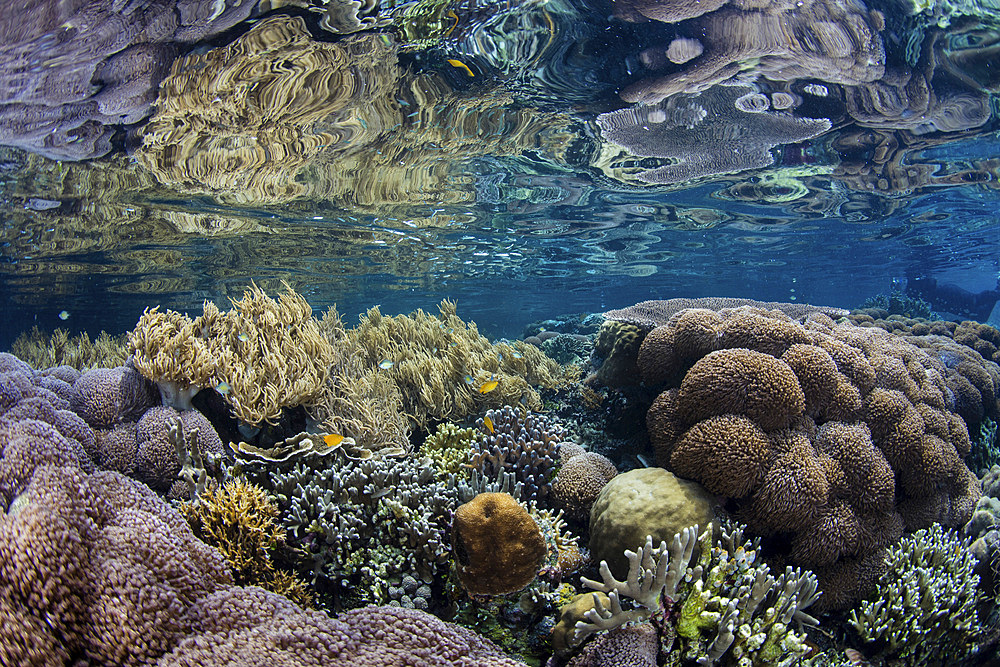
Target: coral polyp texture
[[831, 436], [498, 545]]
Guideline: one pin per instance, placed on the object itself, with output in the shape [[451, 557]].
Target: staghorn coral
[[869, 444], [79, 352], [704, 134], [525, 445], [498, 546], [925, 610], [363, 526], [721, 607]]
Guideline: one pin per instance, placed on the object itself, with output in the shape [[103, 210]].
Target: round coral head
[[498, 546]]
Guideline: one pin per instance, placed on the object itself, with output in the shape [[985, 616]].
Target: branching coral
[[721, 607], [925, 605], [238, 518]]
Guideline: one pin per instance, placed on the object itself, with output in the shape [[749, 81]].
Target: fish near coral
[[498, 546]]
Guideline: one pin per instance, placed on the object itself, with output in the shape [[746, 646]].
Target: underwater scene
[[575, 333]]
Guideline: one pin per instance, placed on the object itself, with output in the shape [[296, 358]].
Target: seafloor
[[691, 481]]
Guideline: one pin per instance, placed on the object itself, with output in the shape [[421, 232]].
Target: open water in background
[[457, 153]]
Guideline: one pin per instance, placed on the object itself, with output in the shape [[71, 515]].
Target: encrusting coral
[[264, 355]]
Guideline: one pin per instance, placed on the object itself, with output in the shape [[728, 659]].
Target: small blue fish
[[516, 354], [386, 364], [223, 388], [243, 337], [451, 330], [500, 357], [64, 315], [469, 379]]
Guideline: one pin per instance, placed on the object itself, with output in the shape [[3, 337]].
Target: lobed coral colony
[[259, 486]]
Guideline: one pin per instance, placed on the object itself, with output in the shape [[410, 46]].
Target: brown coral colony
[[831, 436]]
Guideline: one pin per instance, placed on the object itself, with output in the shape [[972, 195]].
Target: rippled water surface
[[525, 158]]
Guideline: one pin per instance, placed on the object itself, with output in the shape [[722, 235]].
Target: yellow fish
[[489, 423], [460, 65], [333, 439], [489, 386]]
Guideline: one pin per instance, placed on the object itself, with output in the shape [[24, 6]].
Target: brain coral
[[832, 435], [498, 546], [579, 481]]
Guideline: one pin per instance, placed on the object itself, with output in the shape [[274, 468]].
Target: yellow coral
[[169, 349], [271, 354], [449, 448], [60, 349]]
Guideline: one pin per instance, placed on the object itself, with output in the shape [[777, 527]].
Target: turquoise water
[[457, 150]]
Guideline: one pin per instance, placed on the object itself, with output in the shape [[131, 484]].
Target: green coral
[[925, 606], [725, 608], [61, 349], [449, 448]]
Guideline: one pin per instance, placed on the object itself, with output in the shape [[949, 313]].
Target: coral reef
[[830, 435], [579, 481], [651, 314], [924, 609], [525, 444], [264, 355], [238, 519], [498, 545], [720, 606], [705, 134], [838, 43], [637, 503], [61, 349]]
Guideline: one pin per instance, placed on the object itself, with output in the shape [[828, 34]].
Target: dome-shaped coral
[[498, 546], [745, 382], [728, 454]]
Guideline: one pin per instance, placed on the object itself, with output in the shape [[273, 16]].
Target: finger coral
[[498, 546]]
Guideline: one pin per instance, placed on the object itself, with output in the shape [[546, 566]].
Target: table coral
[[498, 545]]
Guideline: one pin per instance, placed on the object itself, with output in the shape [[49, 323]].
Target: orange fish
[[333, 439], [489, 386], [489, 423]]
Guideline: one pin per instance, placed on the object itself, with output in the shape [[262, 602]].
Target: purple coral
[[107, 396], [156, 461], [526, 446]]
